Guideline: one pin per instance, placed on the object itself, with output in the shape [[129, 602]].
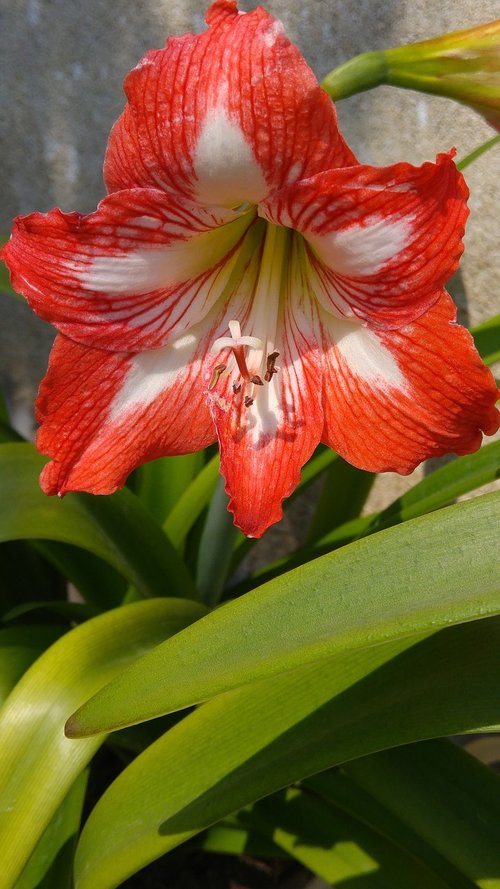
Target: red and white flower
[[247, 279]]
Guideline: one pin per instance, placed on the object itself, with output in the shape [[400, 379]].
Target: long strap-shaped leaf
[[192, 503], [254, 740], [338, 847], [432, 801], [160, 483], [437, 570], [441, 793], [434, 491], [19, 647], [336, 786], [51, 863], [118, 528], [38, 764]]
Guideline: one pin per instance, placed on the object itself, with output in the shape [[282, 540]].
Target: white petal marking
[[150, 374], [273, 32], [227, 171], [151, 268], [365, 355], [265, 415], [362, 250]]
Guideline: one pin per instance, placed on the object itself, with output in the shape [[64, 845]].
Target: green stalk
[[363, 72]]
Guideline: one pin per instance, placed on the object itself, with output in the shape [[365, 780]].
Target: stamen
[[238, 343], [271, 369], [217, 371]]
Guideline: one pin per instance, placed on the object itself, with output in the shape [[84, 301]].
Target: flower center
[[252, 361]]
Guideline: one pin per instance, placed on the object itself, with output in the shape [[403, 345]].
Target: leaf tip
[[71, 727], [74, 728]]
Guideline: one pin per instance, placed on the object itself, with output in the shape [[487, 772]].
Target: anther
[[217, 371], [271, 369], [248, 401], [256, 380], [236, 388]]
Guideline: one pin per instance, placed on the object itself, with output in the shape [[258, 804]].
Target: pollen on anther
[[217, 371], [248, 401], [271, 368]]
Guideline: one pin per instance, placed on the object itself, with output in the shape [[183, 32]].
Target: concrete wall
[[62, 63]]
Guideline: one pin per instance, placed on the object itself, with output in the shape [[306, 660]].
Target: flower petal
[[104, 413], [140, 270], [224, 116], [395, 398], [264, 446], [380, 242]]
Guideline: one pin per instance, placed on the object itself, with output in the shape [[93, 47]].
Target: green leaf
[[436, 490], [445, 796], [161, 483], [51, 864], [215, 547], [98, 582], [147, 556], [338, 787], [342, 498], [477, 152], [445, 484], [117, 528], [19, 647], [73, 611], [25, 576], [408, 580], [38, 764], [487, 339], [230, 838], [252, 741], [192, 503], [338, 847]]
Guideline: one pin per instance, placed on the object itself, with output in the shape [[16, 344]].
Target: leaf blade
[[116, 528], [374, 590], [38, 764], [268, 735]]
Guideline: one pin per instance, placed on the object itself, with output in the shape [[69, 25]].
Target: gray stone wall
[[62, 64]]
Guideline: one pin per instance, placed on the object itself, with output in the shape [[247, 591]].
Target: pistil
[[255, 356]]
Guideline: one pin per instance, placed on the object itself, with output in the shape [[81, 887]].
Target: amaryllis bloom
[[247, 280]]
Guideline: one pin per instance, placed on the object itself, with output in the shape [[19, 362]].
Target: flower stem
[[361, 73]]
